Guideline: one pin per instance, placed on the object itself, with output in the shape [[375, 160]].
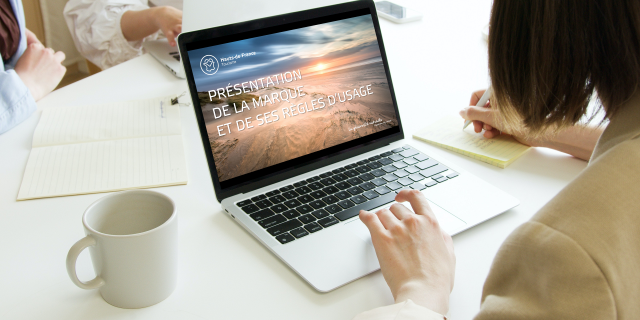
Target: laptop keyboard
[[308, 206]]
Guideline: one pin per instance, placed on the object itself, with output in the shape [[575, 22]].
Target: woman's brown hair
[[546, 57]]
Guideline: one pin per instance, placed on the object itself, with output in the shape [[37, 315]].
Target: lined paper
[[128, 145], [447, 133]]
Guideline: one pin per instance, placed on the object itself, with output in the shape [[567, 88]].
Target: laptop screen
[[291, 93]]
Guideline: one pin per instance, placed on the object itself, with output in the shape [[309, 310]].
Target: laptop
[[300, 126], [167, 55]]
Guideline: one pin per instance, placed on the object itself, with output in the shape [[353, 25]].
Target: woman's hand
[[169, 20], [415, 255], [137, 25], [40, 69]]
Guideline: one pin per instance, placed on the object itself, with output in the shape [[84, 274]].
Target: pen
[[481, 103]]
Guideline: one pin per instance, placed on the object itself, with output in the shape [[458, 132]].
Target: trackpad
[[359, 229]]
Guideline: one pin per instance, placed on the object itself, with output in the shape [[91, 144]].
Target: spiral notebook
[[102, 148], [447, 133]]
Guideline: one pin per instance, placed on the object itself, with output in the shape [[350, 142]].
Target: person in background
[[28, 72], [109, 32], [578, 256]]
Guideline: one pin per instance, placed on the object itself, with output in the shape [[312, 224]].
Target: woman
[[578, 257], [28, 71], [109, 32]]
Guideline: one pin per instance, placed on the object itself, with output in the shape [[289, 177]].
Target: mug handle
[[72, 258]]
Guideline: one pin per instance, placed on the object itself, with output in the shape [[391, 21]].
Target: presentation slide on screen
[[270, 99]]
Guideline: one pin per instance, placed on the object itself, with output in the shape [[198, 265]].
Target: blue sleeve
[[16, 102]]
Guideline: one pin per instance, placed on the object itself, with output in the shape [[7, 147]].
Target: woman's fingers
[[400, 211], [387, 218], [489, 134], [372, 222], [418, 201]]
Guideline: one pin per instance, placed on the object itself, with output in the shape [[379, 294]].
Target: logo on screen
[[209, 65]]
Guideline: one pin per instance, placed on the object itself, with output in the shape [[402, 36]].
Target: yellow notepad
[[102, 148], [447, 133]]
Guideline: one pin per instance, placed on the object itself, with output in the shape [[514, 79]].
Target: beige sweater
[[579, 256]]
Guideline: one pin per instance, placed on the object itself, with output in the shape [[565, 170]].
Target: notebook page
[[448, 133], [127, 119], [104, 166]]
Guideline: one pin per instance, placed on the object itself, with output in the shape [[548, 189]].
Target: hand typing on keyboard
[[416, 257]]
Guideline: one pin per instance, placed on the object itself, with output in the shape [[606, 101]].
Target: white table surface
[[224, 273]]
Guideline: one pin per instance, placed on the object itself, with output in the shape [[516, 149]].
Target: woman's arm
[[137, 25], [578, 141]]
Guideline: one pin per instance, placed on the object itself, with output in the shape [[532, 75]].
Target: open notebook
[[447, 133], [101, 148]]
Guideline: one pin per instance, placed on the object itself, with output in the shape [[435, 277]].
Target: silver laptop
[[167, 55], [301, 130]]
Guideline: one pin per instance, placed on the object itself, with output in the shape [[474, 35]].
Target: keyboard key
[[452, 175], [358, 199], [291, 214], [299, 232], [330, 199], [258, 198], [433, 170], [390, 168], [330, 189], [285, 238], [272, 221], [410, 161], [379, 181], [378, 172], [307, 218], [342, 185], [317, 204], [345, 204], [303, 190], [386, 154], [342, 195], [409, 153], [355, 181], [407, 147], [401, 173], [304, 209], [328, 221], [382, 190], [442, 179], [292, 203], [400, 164], [272, 193], [396, 157], [362, 162], [351, 173], [397, 150], [305, 198], [327, 181], [265, 213], [374, 165], [324, 175], [421, 157], [313, 179], [367, 186], [437, 176], [279, 208], [394, 186], [351, 166], [426, 164], [336, 171], [264, 204], [416, 177], [355, 190], [418, 186], [369, 205], [333, 209], [339, 177], [299, 184], [318, 194], [363, 169], [251, 208], [430, 183], [277, 199], [403, 188], [286, 188], [243, 203], [312, 227], [385, 161], [315, 185], [370, 194], [319, 214], [390, 177], [290, 194], [374, 158], [405, 181], [284, 227], [411, 169], [366, 177]]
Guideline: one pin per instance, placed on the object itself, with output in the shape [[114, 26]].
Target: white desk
[[224, 272]]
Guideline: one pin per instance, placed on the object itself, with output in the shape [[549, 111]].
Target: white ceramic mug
[[133, 240]]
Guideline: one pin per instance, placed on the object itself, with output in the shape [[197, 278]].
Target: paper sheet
[[447, 133], [128, 145]]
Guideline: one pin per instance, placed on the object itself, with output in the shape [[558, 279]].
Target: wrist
[[433, 298]]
